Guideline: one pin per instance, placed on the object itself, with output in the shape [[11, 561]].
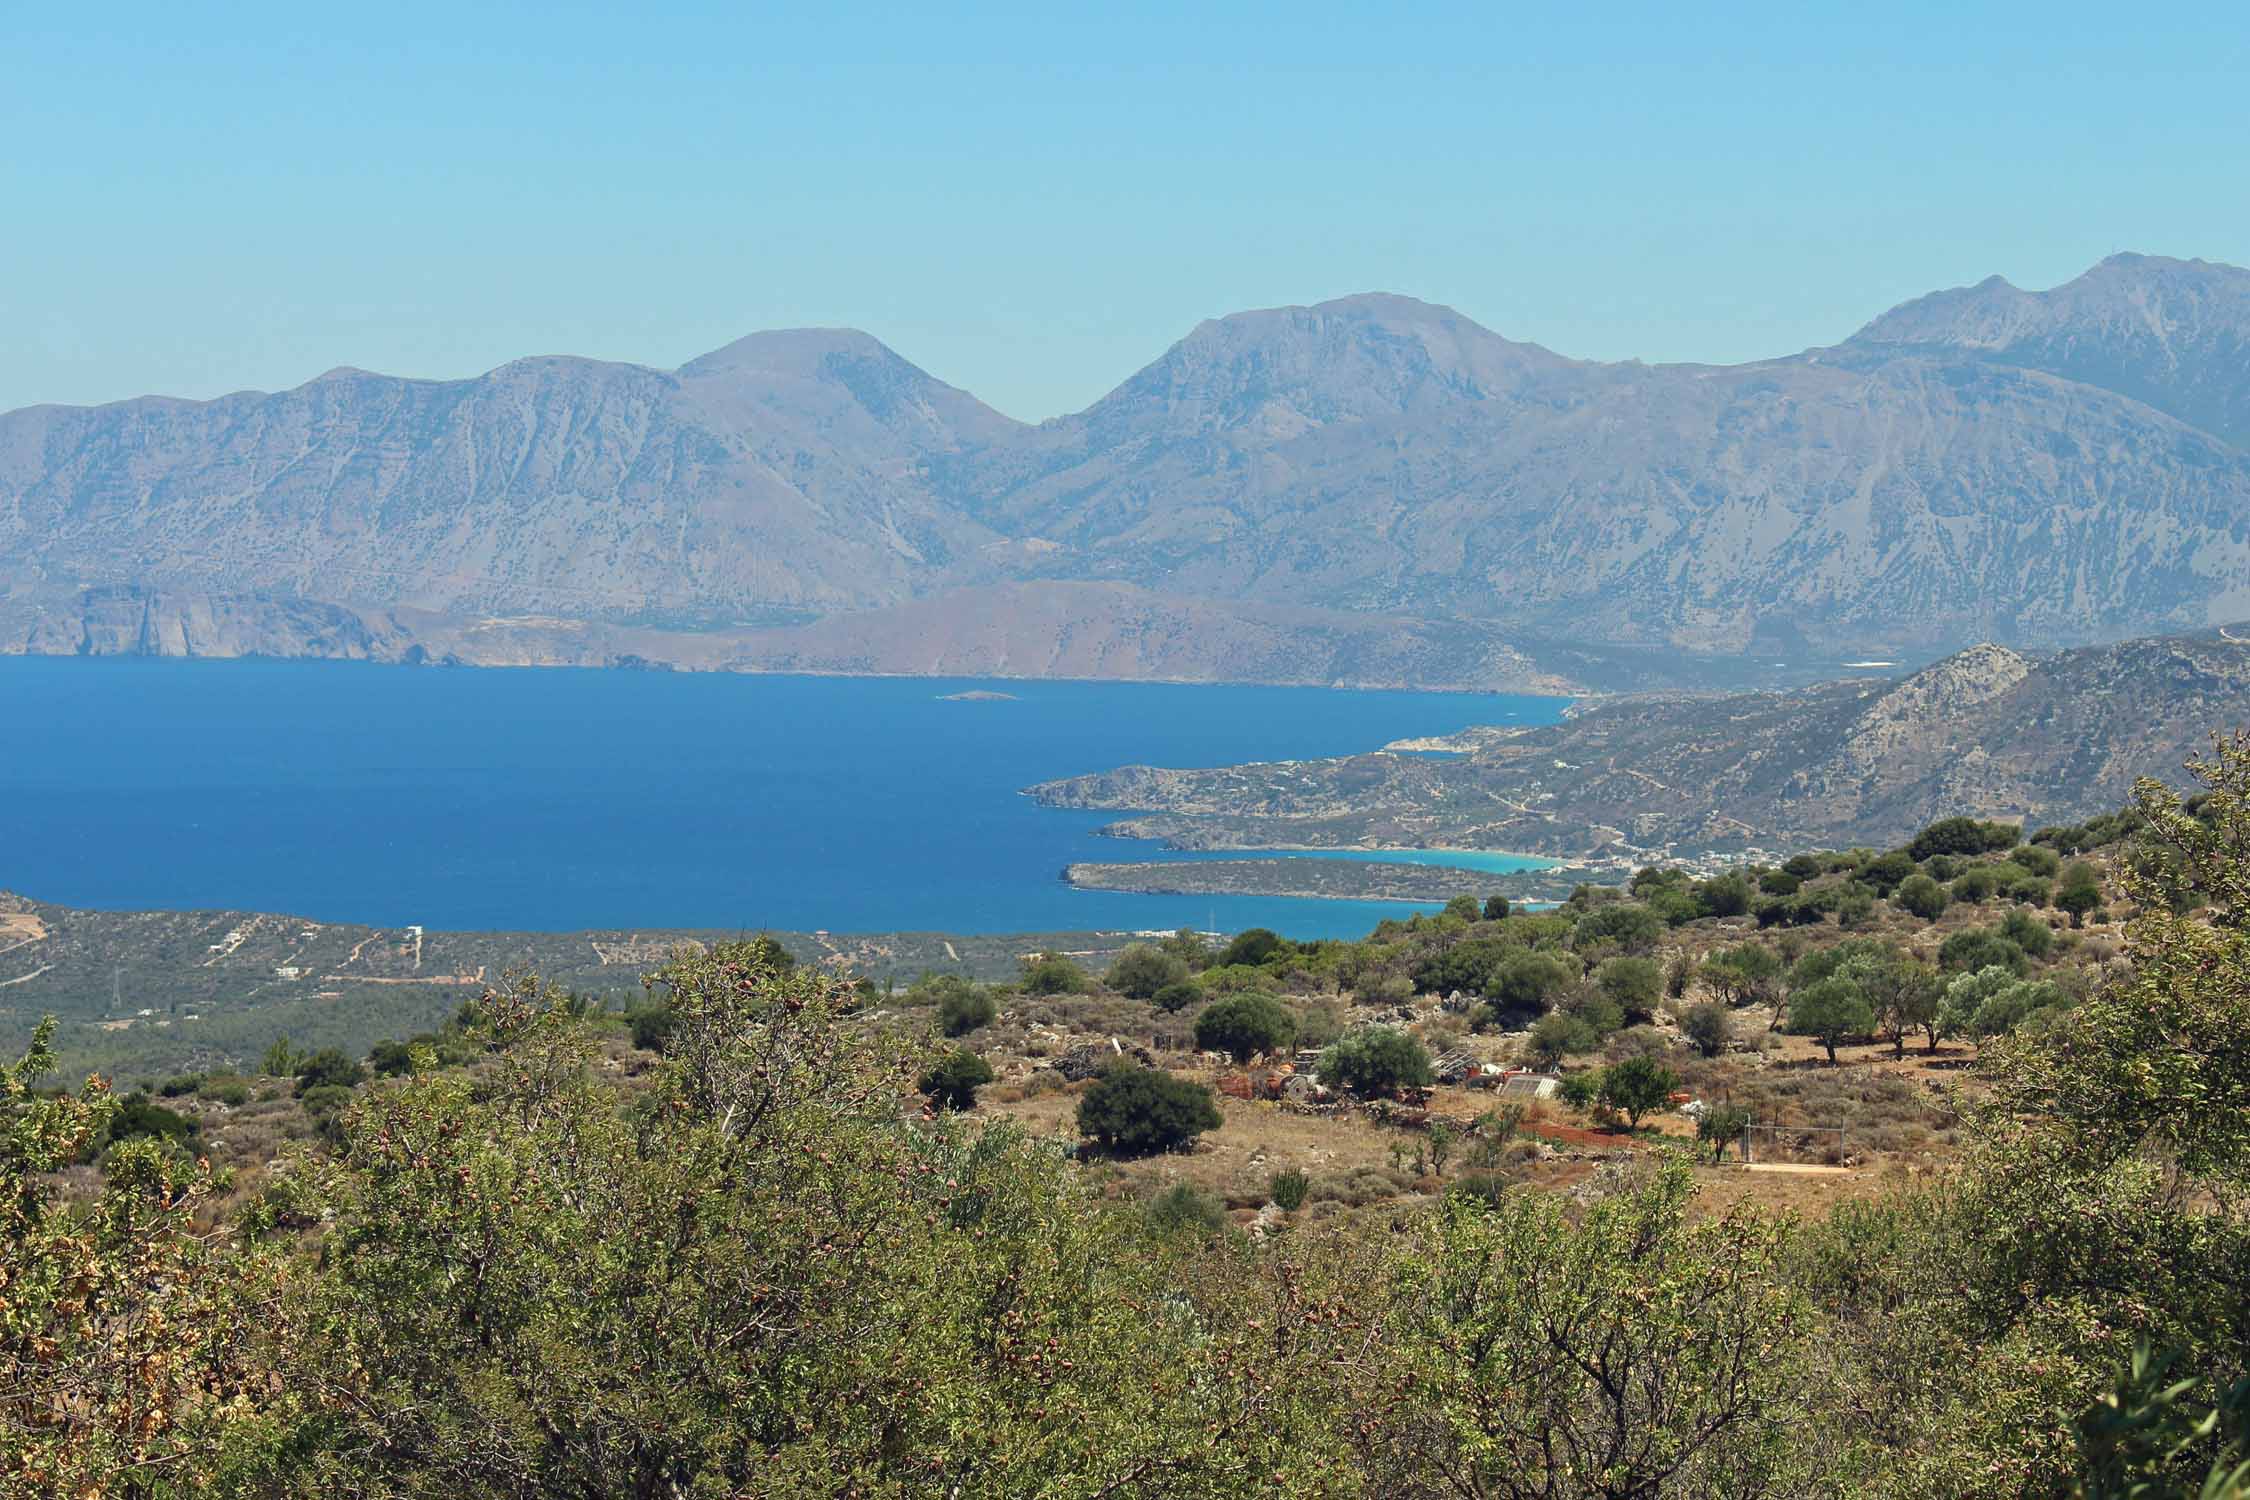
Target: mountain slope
[[1381, 454], [2174, 334], [1863, 761], [2038, 469], [784, 475]]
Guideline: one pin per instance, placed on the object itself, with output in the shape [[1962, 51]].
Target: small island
[[977, 695]]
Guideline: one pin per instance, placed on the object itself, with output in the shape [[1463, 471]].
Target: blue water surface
[[553, 800]]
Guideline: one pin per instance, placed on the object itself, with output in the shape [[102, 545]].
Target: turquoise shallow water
[[553, 800]]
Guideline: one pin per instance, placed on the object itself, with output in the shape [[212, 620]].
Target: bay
[[560, 799]]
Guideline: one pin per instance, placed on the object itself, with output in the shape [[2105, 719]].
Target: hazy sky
[[1031, 203]]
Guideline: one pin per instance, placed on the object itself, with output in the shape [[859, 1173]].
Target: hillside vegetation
[[772, 1233]]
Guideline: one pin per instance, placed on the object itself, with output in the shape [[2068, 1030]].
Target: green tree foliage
[[1636, 1086], [1975, 886], [1559, 1034], [1525, 982], [280, 1059], [953, 1080], [1974, 948], [1178, 996], [1727, 895], [1961, 836], [1745, 974], [1634, 984], [1185, 1209], [1886, 872], [1376, 1060], [328, 1068], [1496, 908], [1629, 925], [138, 1117], [964, 1008], [391, 1059], [1133, 1110], [1833, 1010], [1143, 970], [1052, 974], [2027, 932], [1253, 946], [125, 1333], [1533, 1353], [1463, 909], [1721, 1126], [1246, 1025], [1993, 1002], [1707, 1028], [772, 1282], [1921, 896], [2080, 892]]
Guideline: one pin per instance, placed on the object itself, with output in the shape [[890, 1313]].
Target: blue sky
[[1033, 201]]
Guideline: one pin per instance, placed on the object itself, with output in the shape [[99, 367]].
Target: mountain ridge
[[2039, 468]]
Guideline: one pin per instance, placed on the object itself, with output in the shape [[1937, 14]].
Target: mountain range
[[1371, 490], [1989, 731]]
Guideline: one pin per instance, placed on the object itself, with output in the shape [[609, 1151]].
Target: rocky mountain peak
[[1286, 369], [2174, 334], [833, 376]]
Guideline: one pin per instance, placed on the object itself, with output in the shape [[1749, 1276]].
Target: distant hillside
[[2039, 469], [1865, 761]]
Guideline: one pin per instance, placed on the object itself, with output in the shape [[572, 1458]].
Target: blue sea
[[558, 799]]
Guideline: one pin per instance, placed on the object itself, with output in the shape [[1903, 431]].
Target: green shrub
[[1628, 924], [391, 1059], [1288, 1189], [328, 1068], [649, 1026], [1975, 948], [1252, 947], [1052, 974], [1725, 895], [1184, 1208], [2029, 891], [1132, 1109], [965, 1008], [1243, 1026], [139, 1116], [1375, 1060], [1922, 896], [953, 1080], [1486, 1189], [1320, 1022], [1975, 885], [1636, 1086], [1706, 1027], [1579, 1090], [1635, 984], [180, 1083], [1178, 996], [1143, 971], [1961, 836], [325, 1101], [1560, 1034]]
